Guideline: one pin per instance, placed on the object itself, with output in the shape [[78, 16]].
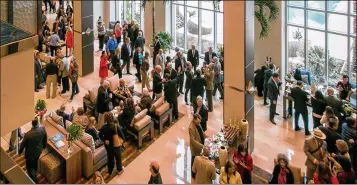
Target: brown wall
[[160, 24], [17, 90], [272, 45], [234, 59]]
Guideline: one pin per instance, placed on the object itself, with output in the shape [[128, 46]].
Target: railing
[[12, 171]]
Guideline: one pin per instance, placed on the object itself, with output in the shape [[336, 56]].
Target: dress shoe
[[307, 134], [129, 74], [265, 103], [297, 129], [182, 92], [37, 90], [221, 98], [277, 114], [272, 121], [121, 172], [41, 87], [187, 103]]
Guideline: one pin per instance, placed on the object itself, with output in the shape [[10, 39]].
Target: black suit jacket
[[37, 67], [34, 141], [125, 53], [157, 83], [178, 63], [157, 47], [203, 113], [170, 90], [273, 91], [131, 34], [140, 42], [267, 74], [193, 59], [198, 86], [300, 99], [336, 105], [173, 73], [189, 77], [103, 100], [331, 138], [207, 57]]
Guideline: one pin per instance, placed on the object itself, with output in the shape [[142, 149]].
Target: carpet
[[260, 176]]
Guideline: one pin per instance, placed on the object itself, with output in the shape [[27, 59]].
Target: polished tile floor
[[172, 149]]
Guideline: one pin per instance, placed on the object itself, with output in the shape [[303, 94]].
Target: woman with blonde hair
[[69, 40], [98, 178], [229, 175]]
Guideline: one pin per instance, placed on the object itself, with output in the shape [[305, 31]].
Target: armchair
[[140, 126], [161, 112]]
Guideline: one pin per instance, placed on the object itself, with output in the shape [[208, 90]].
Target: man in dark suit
[[157, 47], [273, 93], [126, 54], [140, 42], [34, 142], [66, 117], [131, 34], [198, 86], [335, 103], [300, 99], [103, 99], [188, 83], [157, 83], [38, 72], [209, 56], [171, 94], [169, 70], [180, 67], [192, 56], [267, 74], [202, 110]]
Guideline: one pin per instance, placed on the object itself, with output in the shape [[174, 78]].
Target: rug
[[260, 176]]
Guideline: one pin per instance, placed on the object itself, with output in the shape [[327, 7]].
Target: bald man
[[204, 168], [157, 83], [103, 99], [155, 177]]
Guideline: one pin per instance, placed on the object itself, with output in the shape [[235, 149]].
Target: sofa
[[92, 158], [140, 126], [161, 112]]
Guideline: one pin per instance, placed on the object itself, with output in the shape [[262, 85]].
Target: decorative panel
[[3, 10], [25, 15]]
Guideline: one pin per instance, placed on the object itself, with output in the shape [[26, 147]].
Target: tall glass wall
[[127, 10], [197, 23], [321, 38]]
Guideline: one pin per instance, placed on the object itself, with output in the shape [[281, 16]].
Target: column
[[239, 63], [106, 13], [84, 36], [148, 23]]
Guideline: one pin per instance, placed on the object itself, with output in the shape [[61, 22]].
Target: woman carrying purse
[[113, 139]]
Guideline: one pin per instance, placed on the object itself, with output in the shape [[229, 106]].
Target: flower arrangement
[[40, 108], [75, 132]]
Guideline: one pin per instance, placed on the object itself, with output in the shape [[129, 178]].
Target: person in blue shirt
[[112, 45]]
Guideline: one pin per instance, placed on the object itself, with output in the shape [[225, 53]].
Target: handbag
[[117, 141]]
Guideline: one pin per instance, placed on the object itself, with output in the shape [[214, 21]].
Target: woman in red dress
[[244, 163], [103, 67], [69, 40], [117, 31]]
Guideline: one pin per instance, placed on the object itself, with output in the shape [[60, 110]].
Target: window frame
[[305, 27]]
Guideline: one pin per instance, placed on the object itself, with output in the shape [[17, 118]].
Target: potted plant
[[165, 40], [75, 132], [221, 50], [40, 109]]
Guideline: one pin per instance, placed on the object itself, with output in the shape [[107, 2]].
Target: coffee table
[[73, 161]]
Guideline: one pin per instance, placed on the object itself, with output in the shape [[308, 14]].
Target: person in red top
[[244, 163], [324, 175], [117, 32], [103, 68], [69, 40]]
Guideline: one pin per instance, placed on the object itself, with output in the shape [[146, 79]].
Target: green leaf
[[261, 7], [40, 105], [75, 132]]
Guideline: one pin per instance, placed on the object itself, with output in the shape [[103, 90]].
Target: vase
[[222, 155], [69, 149]]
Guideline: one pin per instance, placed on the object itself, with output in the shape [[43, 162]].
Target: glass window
[[316, 4], [353, 5], [192, 27], [179, 28], [353, 25], [128, 10], [137, 12], [112, 11], [220, 8], [207, 30], [337, 23], [295, 48], [179, 2], [337, 6], [296, 3], [353, 60], [192, 3], [316, 55], [316, 19], [337, 58], [219, 30], [296, 16], [207, 5]]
